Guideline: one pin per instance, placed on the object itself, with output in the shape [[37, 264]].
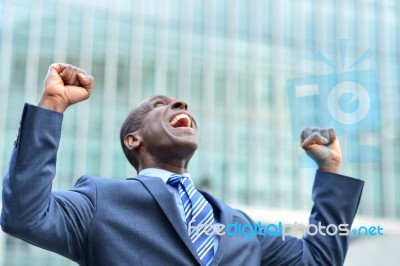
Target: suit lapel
[[166, 201], [225, 219]]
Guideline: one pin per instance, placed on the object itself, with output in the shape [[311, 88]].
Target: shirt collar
[[160, 173]]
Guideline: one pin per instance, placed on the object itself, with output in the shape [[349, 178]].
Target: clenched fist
[[323, 147], [65, 85]]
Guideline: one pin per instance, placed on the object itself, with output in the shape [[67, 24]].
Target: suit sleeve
[[56, 221], [336, 200]]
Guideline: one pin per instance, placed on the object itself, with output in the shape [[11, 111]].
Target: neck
[[169, 162], [175, 168]]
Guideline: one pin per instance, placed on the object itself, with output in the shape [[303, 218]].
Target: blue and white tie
[[197, 211]]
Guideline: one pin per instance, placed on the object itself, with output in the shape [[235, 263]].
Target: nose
[[180, 104]]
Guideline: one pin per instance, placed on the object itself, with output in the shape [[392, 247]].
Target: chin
[[184, 150], [183, 138], [194, 146], [190, 146]]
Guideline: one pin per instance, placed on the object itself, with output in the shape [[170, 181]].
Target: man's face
[[168, 130]]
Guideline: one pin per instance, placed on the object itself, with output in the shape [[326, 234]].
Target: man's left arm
[[336, 198]]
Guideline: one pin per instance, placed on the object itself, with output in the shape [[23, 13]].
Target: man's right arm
[[54, 221]]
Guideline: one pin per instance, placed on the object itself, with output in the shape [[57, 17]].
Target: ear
[[132, 140]]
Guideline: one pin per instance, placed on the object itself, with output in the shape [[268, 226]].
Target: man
[[153, 219]]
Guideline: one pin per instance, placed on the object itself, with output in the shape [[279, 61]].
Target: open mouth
[[180, 120]]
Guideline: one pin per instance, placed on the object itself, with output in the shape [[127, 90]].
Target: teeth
[[179, 117]]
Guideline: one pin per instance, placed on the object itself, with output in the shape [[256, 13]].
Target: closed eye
[[158, 104]]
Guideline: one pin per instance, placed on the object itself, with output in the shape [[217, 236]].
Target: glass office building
[[234, 62]]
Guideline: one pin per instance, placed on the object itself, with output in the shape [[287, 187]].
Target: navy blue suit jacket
[[136, 221]]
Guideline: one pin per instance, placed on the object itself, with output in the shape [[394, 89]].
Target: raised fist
[[323, 147], [65, 85]]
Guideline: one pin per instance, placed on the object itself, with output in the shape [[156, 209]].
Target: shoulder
[[104, 189], [95, 181]]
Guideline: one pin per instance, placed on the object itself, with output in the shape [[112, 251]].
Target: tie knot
[[175, 179]]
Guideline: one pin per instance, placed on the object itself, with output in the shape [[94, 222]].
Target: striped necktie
[[197, 211]]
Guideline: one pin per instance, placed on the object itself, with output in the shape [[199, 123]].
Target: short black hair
[[132, 123]]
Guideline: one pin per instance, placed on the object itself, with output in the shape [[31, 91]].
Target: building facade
[[233, 62]]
